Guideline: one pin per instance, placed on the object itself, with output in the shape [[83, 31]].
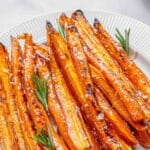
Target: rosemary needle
[[61, 30], [124, 41], [44, 139]]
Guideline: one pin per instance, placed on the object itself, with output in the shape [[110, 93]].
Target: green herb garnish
[[61, 30], [41, 90], [44, 139], [124, 41]]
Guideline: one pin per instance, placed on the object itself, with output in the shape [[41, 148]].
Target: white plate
[[139, 39]]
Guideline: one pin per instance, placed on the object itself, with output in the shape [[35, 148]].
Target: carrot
[[6, 132], [76, 127], [132, 71], [64, 60], [111, 95], [100, 58], [136, 76], [10, 101], [26, 124], [113, 117], [38, 112], [80, 62]]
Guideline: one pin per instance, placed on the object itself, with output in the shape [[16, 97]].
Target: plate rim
[[71, 10]]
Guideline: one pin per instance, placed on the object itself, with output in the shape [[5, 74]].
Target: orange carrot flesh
[[64, 60], [10, 101], [132, 71], [136, 76], [26, 124], [113, 117], [38, 112], [111, 95], [71, 112], [80, 62], [100, 58]]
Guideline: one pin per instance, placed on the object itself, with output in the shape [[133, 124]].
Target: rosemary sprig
[[124, 41], [41, 90], [44, 139], [61, 30]]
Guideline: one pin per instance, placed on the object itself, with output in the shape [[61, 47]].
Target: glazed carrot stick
[[38, 112], [26, 124], [113, 117], [143, 137], [132, 71], [136, 76], [111, 95], [65, 62], [76, 126], [10, 101], [80, 62], [99, 57], [6, 132]]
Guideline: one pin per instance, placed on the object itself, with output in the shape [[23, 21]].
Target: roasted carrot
[[38, 112], [113, 117], [10, 101], [64, 60], [111, 95], [100, 58], [137, 77], [132, 71], [76, 127], [26, 124], [143, 137], [6, 131], [80, 62]]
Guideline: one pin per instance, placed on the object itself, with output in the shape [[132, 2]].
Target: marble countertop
[[13, 12]]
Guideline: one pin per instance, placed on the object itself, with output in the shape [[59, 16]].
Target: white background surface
[[13, 12]]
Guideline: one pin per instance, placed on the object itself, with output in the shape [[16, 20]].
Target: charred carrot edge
[[80, 63], [6, 132], [111, 95], [76, 128], [64, 20], [113, 117], [143, 137], [10, 101], [64, 60], [99, 57], [38, 113], [26, 125], [132, 71], [129, 67]]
